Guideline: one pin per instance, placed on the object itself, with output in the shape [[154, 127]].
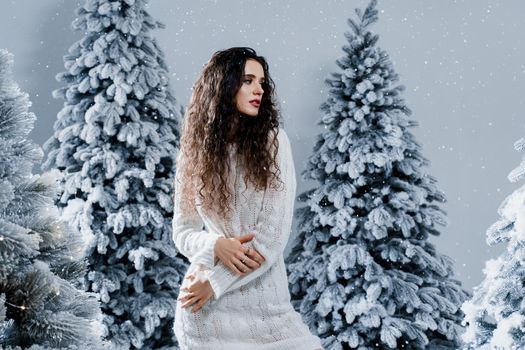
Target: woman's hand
[[198, 293], [232, 253]]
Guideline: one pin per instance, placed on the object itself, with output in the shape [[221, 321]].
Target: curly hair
[[212, 124]]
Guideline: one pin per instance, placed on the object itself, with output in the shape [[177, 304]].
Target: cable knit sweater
[[253, 311]]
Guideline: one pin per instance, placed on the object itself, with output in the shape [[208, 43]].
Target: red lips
[[255, 102]]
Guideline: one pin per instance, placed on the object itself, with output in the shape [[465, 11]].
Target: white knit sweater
[[253, 311]]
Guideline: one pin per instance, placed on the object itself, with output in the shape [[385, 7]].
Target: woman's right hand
[[231, 252]]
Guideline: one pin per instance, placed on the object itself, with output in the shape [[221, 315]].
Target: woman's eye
[[248, 80]]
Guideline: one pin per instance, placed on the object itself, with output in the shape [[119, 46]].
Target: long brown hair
[[212, 124]]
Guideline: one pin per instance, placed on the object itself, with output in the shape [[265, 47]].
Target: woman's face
[[248, 98]]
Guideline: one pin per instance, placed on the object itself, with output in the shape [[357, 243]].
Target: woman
[[232, 158]]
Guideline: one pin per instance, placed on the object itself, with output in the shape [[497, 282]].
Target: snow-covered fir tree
[[42, 305], [495, 315], [362, 271], [115, 142]]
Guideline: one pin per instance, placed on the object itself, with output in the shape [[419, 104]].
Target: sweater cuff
[[207, 256], [220, 278]]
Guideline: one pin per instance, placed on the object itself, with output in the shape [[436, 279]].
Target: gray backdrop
[[462, 62]]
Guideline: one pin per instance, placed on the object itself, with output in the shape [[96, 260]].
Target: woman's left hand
[[198, 293]]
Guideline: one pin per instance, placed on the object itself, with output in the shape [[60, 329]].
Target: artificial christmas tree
[[362, 270], [41, 306], [495, 316], [115, 142]]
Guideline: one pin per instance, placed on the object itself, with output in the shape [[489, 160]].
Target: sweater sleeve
[[195, 243], [273, 225]]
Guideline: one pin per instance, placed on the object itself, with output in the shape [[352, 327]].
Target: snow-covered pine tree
[[41, 259], [115, 142], [495, 315], [362, 271]]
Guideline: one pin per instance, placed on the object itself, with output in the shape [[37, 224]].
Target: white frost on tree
[[495, 316], [363, 272], [42, 305], [115, 143]]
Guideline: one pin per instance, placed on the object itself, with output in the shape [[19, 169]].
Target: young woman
[[234, 196]]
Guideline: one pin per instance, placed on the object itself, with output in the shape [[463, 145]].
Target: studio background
[[462, 63]]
